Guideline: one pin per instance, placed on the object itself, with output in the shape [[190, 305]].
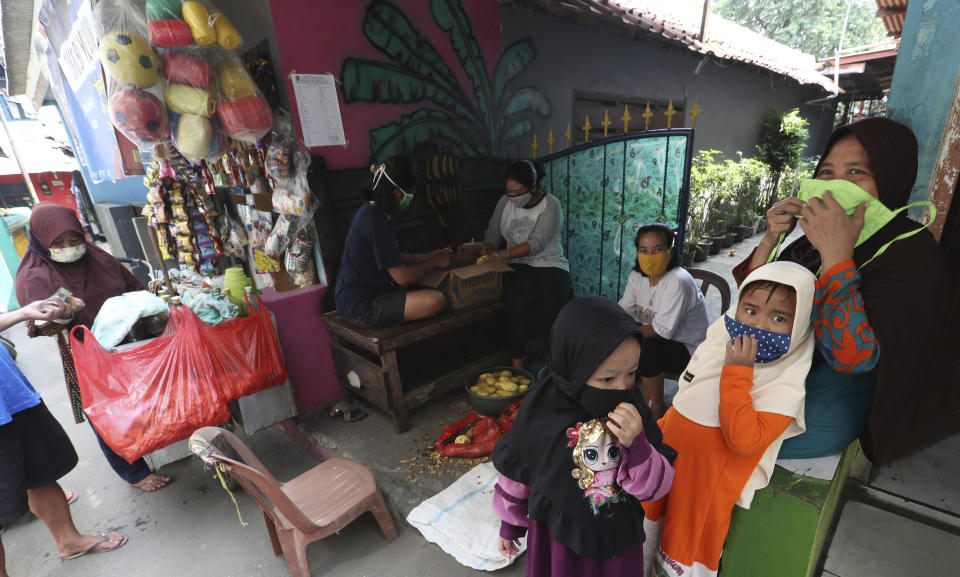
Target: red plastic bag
[[153, 395], [245, 352], [508, 416], [483, 430]]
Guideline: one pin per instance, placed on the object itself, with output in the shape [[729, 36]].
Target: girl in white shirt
[[666, 301]]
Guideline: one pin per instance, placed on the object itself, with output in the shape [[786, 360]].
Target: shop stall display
[[244, 112], [175, 83], [175, 23], [132, 68], [184, 216]]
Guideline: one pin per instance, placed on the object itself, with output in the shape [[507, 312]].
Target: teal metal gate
[[610, 188]]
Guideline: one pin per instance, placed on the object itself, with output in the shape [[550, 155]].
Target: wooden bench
[[375, 376]]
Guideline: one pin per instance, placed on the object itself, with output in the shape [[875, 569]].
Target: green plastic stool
[[784, 531]]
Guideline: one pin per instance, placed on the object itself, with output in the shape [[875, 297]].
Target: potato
[[485, 376], [507, 386], [474, 388], [505, 373], [463, 440], [523, 388]]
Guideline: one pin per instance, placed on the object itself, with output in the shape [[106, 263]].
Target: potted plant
[[729, 239], [686, 259], [716, 243], [701, 249]]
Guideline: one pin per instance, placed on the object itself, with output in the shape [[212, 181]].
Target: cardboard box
[[466, 283]]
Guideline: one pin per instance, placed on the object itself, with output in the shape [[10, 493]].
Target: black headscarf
[[904, 294], [535, 451]]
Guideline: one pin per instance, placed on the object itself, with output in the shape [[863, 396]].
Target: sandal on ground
[[71, 496], [104, 538], [152, 482], [344, 412]]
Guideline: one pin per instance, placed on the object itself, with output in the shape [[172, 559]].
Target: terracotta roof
[[678, 21], [892, 12]]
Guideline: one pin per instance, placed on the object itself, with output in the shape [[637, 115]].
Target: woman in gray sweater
[[524, 231]]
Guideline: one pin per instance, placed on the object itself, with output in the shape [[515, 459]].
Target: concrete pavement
[[190, 528]]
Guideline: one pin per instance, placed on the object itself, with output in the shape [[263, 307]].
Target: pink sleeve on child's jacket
[[645, 473], [510, 504]]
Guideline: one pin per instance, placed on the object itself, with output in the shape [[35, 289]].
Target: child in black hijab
[[584, 452]]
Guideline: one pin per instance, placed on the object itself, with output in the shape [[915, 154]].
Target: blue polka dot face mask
[[770, 345]]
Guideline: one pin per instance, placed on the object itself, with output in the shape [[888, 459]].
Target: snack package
[[279, 238], [299, 259], [134, 83], [259, 227], [178, 23], [242, 110], [291, 189]]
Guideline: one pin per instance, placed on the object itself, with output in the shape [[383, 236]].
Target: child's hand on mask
[[507, 547], [625, 423], [741, 351]]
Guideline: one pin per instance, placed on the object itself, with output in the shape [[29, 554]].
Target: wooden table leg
[[398, 404]]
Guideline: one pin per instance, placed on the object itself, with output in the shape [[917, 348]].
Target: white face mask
[[520, 200], [69, 254]]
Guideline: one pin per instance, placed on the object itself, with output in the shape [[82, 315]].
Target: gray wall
[[735, 99], [254, 21]]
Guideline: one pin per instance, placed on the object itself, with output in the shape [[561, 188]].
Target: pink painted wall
[[315, 40]]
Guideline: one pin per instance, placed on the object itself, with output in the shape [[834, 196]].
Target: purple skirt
[[547, 558]]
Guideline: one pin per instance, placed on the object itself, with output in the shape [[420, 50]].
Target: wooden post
[[163, 264]]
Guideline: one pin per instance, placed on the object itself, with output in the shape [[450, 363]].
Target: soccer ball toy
[[129, 59], [139, 115]]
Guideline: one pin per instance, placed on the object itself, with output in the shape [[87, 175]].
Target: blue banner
[[76, 80]]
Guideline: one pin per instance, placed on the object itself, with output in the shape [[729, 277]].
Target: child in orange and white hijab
[[741, 395]]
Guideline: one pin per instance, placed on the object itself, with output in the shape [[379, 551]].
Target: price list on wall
[[319, 109]]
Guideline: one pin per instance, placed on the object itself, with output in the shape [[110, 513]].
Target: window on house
[[594, 107]]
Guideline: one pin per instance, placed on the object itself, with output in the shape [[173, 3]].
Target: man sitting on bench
[[373, 268]]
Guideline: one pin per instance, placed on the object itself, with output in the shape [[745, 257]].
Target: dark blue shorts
[[34, 452], [386, 311]]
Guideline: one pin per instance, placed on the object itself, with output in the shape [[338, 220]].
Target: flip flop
[[104, 538], [71, 496], [155, 480], [342, 411], [2, 529]]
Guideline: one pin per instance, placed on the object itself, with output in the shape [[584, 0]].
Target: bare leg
[[49, 504], [3, 560], [423, 304], [652, 389]]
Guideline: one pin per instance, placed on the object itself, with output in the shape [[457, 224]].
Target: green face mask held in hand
[[849, 196]]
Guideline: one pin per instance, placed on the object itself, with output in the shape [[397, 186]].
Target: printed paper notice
[[319, 109]]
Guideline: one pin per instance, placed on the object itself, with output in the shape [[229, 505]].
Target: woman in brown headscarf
[[877, 310], [60, 256]]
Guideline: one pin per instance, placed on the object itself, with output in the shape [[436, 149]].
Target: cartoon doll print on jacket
[[597, 456]]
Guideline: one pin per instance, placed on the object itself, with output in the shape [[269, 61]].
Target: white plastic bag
[[118, 315]]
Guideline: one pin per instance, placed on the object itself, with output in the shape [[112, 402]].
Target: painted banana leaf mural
[[478, 124]]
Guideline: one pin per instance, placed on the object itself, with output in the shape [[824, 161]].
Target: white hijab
[[778, 386]]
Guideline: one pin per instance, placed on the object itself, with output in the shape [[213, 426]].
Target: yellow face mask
[[654, 264]]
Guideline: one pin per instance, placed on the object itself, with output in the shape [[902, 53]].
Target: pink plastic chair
[[305, 509]]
